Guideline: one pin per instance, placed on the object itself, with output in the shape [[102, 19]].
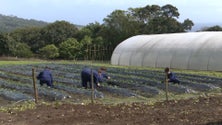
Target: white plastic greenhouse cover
[[193, 50]]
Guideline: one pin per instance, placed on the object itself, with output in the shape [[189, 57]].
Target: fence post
[[92, 84], [166, 85], [34, 85]]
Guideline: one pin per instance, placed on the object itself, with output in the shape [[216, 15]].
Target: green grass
[[19, 62], [18, 107]]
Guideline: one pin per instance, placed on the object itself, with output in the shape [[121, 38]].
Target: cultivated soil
[[199, 111]]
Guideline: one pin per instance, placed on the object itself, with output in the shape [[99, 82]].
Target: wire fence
[[98, 52]]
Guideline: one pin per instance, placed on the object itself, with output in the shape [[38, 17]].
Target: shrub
[[49, 51]]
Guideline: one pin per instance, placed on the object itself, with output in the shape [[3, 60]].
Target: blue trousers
[[49, 83], [174, 81]]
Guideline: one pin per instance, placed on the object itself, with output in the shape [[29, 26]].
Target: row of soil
[[17, 81]]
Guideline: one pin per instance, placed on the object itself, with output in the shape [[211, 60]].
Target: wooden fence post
[[92, 85], [34, 85], [166, 84]]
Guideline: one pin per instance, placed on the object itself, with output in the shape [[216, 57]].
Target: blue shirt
[[171, 76], [45, 75], [96, 76]]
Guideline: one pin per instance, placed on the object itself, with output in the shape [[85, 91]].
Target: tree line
[[63, 40]]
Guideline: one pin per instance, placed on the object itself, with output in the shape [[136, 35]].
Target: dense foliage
[[94, 41], [213, 28]]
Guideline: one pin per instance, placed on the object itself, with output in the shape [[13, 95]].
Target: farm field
[[132, 96]]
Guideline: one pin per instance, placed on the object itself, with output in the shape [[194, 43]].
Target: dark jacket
[[45, 75], [86, 75], [172, 78]]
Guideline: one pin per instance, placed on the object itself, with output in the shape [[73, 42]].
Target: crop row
[[16, 81]]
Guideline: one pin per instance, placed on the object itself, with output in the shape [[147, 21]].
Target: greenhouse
[[192, 50]]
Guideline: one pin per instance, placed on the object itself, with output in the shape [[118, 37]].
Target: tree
[[4, 49], [49, 52], [151, 19], [86, 42], [213, 28], [31, 36], [170, 11], [58, 32], [145, 14], [155, 19], [119, 25], [11, 47], [70, 49], [187, 24], [164, 25], [85, 31], [22, 50], [94, 28]]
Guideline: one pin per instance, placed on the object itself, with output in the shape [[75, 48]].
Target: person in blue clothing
[[45, 77], [98, 77], [171, 77]]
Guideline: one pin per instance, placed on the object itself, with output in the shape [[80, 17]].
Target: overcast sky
[[83, 12]]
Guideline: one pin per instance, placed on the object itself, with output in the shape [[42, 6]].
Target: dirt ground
[[204, 110]]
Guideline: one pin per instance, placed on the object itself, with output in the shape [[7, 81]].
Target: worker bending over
[[45, 77], [98, 76], [171, 77]]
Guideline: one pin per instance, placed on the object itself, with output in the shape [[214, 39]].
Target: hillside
[[9, 23], [200, 26]]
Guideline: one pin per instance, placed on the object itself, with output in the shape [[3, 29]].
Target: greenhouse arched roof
[[193, 50]]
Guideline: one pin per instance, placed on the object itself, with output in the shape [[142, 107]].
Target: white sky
[[83, 12]]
